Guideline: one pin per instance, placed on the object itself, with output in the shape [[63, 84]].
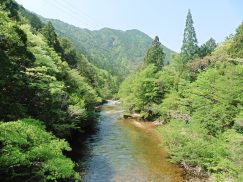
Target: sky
[[165, 18]]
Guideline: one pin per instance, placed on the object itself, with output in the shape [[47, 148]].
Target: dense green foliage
[[15, 57], [155, 54], [200, 104], [49, 33], [144, 90], [104, 83], [54, 89], [42, 76], [236, 48], [29, 153], [32, 19], [118, 52], [207, 48], [50, 86], [12, 7]]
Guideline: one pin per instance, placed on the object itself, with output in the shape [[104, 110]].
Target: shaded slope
[[116, 51]]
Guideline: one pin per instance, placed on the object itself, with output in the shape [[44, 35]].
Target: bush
[[28, 152], [190, 144]]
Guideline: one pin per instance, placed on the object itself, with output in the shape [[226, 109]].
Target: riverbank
[[190, 174], [119, 151]]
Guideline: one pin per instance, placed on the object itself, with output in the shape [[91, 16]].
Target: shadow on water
[[119, 151]]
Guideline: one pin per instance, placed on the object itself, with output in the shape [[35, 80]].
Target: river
[[120, 151]]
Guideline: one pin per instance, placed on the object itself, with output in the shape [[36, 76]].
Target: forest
[[118, 52], [198, 100], [53, 76], [46, 96]]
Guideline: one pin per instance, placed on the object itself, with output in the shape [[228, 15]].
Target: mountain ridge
[[117, 51]]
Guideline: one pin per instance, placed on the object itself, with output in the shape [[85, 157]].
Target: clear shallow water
[[121, 152]]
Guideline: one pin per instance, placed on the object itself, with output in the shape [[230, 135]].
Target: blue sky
[[212, 18]]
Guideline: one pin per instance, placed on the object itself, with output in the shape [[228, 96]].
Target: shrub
[[28, 152]]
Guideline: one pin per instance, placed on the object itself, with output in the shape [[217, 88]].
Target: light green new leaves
[[26, 143]]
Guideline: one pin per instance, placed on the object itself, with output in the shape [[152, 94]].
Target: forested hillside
[[118, 52], [198, 101], [55, 76], [48, 91]]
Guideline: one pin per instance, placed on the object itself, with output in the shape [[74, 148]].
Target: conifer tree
[[155, 55], [207, 48], [51, 36], [189, 47]]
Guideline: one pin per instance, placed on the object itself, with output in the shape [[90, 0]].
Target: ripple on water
[[120, 152]]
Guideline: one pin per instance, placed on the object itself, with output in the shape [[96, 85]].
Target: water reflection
[[120, 151]]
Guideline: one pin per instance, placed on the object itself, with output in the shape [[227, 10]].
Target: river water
[[122, 152]]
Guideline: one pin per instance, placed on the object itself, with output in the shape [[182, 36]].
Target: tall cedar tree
[[189, 47], [155, 54], [49, 32]]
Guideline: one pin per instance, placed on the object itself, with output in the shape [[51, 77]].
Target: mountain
[[116, 51]]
